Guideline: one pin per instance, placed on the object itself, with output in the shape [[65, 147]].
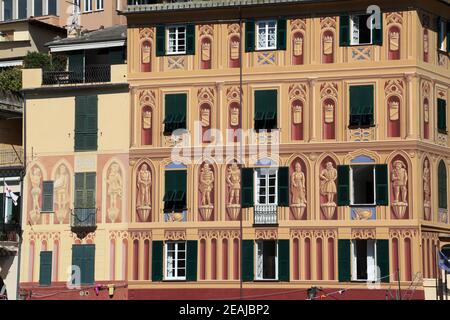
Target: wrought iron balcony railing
[[97, 73], [84, 218], [9, 232], [266, 214], [11, 157]]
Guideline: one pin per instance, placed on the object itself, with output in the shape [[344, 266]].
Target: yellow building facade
[[268, 147]]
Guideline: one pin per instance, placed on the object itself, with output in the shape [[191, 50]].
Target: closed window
[[22, 9], [442, 116], [176, 40], [266, 35], [85, 200], [86, 124], [37, 8], [45, 268], [99, 5], [266, 102], [47, 196], [52, 8], [364, 265], [266, 260], [175, 112], [7, 8], [361, 106], [266, 186], [175, 260], [83, 260], [87, 5]]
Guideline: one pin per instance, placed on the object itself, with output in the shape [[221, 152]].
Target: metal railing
[[9, 157], [9, 232], [95, 73], [84, 218], [266, 214]]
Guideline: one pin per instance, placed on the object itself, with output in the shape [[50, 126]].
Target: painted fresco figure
[[234, 183], [36, 178], [298, 189], [114, 185], [328, 182], [206, 184], [426, 180], [399, 181], [143, 185], [61, 187]]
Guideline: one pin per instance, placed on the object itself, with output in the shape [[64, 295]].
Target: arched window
[[442, 185]]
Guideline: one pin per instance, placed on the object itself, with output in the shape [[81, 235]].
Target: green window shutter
[[80, 190], [76, 66], [266, 102], [344, 31], [47, 196], [190, 39], [382, 189], [116, 55], [175, 112], [88, 272], [86, 123], [157, 260], [283, 187], [250, 36], [45, 268], [439, 32], [283, 260], [343, 185], [248, 253], [281, 34], [80, 121], [442, 115], [344, 260], [442, 185], [175, 190], [77, 258], [448, 37], [378, 33], [247, 187], [92, 122], [90, 189], [383, 259], [160, 40], [191, 265], [361, 105]]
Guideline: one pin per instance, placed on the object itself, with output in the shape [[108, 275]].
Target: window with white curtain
[[176, 39], [175, 260]]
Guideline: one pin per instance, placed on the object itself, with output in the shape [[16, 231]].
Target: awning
[[10, 63]]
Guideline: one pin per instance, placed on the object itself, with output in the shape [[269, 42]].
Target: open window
[[266, 260], [175, 112], [361, 106], [360, 29], [364, 263], [175, 191], [362, 185], [266, 102]]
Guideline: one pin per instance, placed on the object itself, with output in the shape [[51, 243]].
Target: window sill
[[443, 132], [362, 205], [174, 280], [266, 280], [361, 127], [443, 52], [262, 50], [47, 212]]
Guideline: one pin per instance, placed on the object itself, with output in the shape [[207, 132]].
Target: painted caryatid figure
[[400, 182], [206, 184], [427, 189], [115, 186], [144, 181], [234, 184], [328, 182], [61, 187], [298, 189]]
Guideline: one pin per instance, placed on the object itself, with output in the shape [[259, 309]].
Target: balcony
[[266, 214], [84, 221], [11, 157], [9, 238], [89, 74]]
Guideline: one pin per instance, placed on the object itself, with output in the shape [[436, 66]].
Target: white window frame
[[352, 186], [76, 4], [354, 31], [33, 8], [266, 35], [258, 257], [177, 34], [443, 32], [372, 264], [267, 194], [97, 5], [88, 6], [175, 261]]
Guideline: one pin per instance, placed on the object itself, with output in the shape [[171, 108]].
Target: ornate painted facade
[[169, 207]]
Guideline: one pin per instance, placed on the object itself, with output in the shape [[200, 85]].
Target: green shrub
[[11, 79]]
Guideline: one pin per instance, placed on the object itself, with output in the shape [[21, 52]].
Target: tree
[[37, 60], [11, 79]]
